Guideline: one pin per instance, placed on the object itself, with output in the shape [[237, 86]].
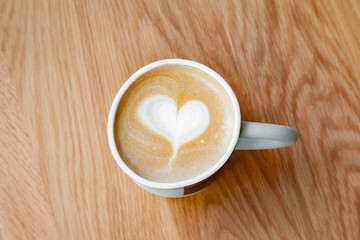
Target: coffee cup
[[198, 117]]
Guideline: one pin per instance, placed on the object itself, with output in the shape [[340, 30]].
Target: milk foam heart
[[160, 114]]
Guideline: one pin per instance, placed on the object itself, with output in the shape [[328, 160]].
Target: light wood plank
[[289, 62]]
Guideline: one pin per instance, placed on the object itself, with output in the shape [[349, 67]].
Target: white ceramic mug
[[246, 136]]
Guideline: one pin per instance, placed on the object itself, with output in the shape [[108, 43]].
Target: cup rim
[[179, 184]]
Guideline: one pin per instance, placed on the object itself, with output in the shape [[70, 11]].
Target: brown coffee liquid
[[146, 152]]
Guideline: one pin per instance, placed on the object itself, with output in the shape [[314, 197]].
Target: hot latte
[[173, 123]]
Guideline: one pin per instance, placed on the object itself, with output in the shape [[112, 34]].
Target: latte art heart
[[160, 114]]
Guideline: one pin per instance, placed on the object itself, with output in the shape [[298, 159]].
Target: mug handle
[[254, 135]]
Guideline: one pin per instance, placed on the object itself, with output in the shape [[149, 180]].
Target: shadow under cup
[[179, 188]]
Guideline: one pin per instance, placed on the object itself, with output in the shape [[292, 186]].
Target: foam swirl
[[160, 114]]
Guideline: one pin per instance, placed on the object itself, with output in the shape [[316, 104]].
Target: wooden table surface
[[295, 63]]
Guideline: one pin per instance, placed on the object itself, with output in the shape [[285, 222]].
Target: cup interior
[[161, 185]]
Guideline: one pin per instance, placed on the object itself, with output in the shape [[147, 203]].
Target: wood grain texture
[[289, 62]]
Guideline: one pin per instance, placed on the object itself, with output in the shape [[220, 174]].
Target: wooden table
[[295, 63]]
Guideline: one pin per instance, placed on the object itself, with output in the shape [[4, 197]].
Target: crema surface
[[173, 123]]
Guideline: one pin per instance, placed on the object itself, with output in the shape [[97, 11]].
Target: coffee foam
[[196, 120], [161, 115]]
